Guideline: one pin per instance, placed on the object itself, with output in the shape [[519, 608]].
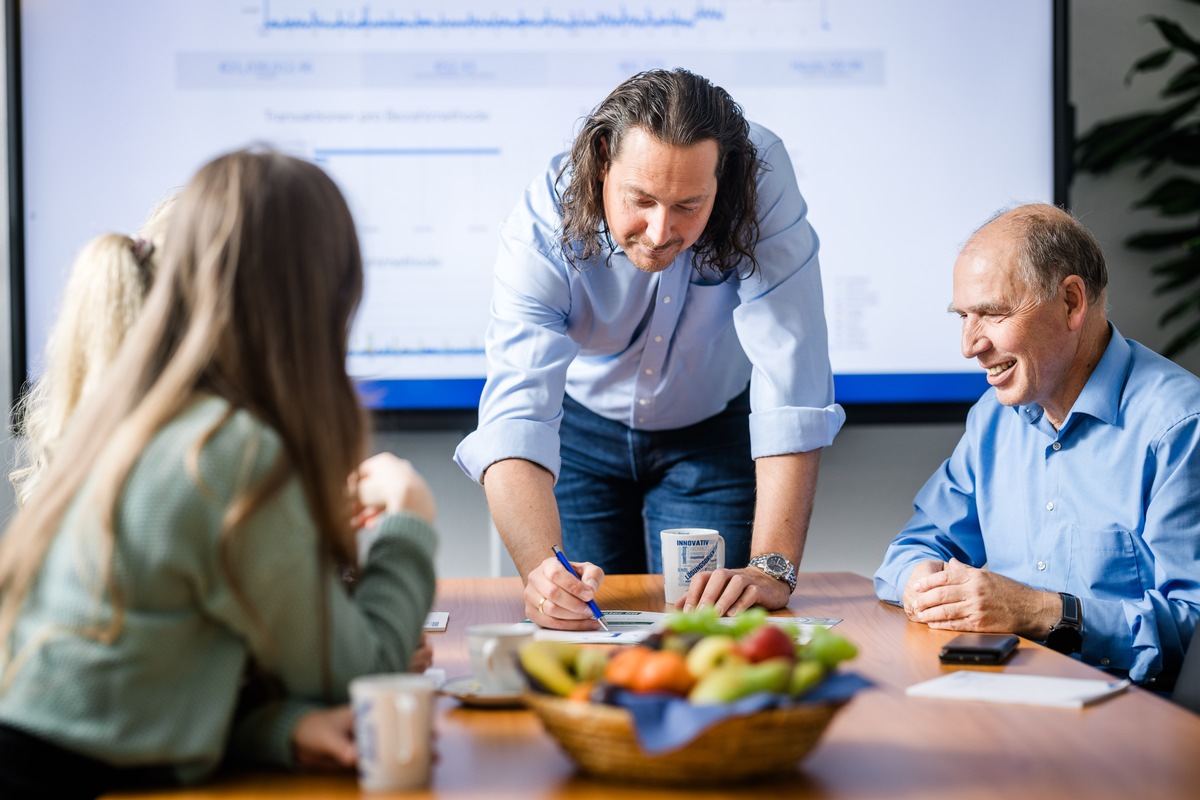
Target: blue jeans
[[618, 487]]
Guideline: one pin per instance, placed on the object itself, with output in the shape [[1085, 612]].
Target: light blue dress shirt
[[1105, 508], [655, 351]]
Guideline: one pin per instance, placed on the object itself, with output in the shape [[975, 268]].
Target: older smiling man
[[1067, 513]]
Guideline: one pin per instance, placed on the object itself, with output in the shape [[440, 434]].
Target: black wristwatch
[[1066, 635], [778, 567]]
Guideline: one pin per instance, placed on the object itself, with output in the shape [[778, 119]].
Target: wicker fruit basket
[[601, 740]]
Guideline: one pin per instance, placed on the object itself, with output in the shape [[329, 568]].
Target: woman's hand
[[422, 658], [324, 739], [387, 484]]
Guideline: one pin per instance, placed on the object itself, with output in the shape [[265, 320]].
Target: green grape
[[829, 649]]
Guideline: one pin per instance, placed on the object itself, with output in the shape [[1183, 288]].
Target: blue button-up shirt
[[1105, 508], [655, 351]]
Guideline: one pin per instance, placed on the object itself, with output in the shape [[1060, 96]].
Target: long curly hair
[[680, 109]]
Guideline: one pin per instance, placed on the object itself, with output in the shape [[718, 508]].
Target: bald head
[[1049, 244]]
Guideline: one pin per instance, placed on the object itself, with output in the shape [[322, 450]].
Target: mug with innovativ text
[[393, 730], [687, 552]]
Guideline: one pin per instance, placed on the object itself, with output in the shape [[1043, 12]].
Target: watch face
[[776, 565]]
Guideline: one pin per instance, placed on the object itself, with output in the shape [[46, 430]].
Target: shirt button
[[667, 299], [1049, 506], [1041, 565], [641, 419], [1056, 446], [643, 401], [649, 371], [658, 339]]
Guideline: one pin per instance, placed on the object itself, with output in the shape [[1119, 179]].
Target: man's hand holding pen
[[558, 598]]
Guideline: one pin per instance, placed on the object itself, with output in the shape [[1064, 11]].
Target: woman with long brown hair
[[200, 517]]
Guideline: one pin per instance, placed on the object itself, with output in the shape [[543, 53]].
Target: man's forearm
[[786, 486], [520, 496]]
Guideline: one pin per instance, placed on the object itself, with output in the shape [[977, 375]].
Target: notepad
[[436, 621], [1038, 690]]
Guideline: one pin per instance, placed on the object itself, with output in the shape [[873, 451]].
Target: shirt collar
[[1101, 395]]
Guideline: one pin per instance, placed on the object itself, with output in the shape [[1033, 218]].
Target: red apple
[[766, 642]]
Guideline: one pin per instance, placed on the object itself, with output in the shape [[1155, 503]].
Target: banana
[[551, 664]]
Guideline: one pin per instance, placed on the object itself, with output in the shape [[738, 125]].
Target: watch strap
[[1066, 635], [787, 574]]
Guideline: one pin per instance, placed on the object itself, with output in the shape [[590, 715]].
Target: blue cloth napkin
[[666, 722]]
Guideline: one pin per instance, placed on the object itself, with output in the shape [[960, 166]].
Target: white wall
[[869, 475]]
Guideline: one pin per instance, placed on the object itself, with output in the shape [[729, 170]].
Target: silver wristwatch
[[778, 567]]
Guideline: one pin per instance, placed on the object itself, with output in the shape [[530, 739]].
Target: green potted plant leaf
[[1170, 137]]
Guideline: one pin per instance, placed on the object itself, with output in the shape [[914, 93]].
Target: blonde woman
[[107, 284], [206, 501]]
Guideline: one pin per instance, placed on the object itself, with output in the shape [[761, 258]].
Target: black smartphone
[[979, 648]]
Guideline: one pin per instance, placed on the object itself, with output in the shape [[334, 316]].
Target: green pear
[[589, 663], [805, 675], [732, 681]]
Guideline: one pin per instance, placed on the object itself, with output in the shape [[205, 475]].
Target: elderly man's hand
[[964, 598], [908, 599]]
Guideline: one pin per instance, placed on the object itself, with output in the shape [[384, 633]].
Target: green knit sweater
[[164, 692]]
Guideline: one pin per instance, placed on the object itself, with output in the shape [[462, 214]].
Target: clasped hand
[[955, 596]]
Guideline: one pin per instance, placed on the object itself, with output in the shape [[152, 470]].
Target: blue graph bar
[[934, 387], [463, 393], [599, 19]]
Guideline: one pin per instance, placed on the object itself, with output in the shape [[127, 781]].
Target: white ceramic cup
[[493, 650], [393, 730], [686, 552]]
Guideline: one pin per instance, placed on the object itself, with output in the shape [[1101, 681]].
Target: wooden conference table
[[882, 745]]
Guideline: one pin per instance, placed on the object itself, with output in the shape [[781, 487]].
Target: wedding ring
[[542, 603]]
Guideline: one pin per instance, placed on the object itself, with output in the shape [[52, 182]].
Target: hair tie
[[142, 248]]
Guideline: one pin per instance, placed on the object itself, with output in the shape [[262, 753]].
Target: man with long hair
[[657, 354]]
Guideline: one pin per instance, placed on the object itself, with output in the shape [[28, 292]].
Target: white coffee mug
[[687, 552], [393, 730], [493, 650]]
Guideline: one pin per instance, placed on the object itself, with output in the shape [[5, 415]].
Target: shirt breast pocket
[[1105, 562]]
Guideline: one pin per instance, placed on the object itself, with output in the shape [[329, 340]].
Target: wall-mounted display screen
[[908, 124]]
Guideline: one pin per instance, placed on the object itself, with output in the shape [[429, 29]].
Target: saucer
[[468, 692]]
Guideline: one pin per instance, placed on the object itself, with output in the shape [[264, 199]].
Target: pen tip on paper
[[603, 624]]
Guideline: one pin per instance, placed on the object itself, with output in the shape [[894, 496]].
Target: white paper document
[[624, 627], [1038, 690], [632, 627]]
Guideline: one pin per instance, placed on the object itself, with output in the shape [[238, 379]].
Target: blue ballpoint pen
[[562, 558]]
